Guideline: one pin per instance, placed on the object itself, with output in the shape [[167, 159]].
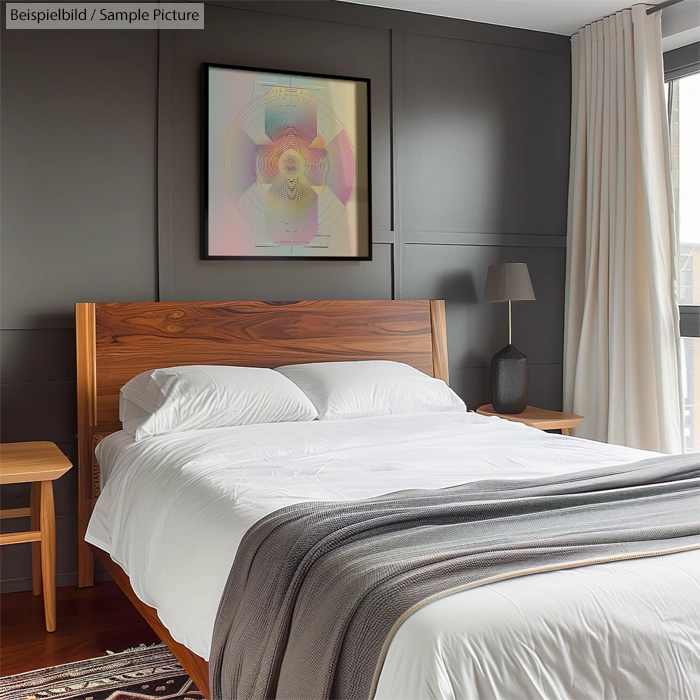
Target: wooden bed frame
[[117, 341]]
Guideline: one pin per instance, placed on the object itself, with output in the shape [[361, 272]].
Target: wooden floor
[[89, 622]]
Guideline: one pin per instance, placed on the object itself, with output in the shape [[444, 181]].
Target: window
[[683, 94]]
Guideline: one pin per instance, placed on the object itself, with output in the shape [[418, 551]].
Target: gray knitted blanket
[[317, 590]]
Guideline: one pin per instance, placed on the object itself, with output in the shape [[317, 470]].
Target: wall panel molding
[[165, 165], [383, 237], [397, 140], [455, 105], [504, 240]]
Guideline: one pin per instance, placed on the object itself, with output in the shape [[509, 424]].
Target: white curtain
[[622, 344]]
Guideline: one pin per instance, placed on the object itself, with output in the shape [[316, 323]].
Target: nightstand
[[541, 418], [37, 463]]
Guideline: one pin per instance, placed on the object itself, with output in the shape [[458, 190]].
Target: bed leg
[[86, 562]]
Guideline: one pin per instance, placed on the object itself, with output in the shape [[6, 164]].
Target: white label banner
[[112, 15]]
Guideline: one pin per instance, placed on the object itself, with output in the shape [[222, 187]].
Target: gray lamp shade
[[508, 282]]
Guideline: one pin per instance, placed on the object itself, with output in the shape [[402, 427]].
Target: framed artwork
[[285, 165]]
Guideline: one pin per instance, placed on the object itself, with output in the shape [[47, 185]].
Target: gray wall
[[100, 182], [78, 173]]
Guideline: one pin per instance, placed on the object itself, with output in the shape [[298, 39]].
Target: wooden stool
[[38, 463]]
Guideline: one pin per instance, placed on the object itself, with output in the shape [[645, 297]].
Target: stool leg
[[565, 431], [48, 554], [36, 546]]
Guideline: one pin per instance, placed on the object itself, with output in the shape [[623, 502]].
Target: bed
[[587, 630], [116, 341]]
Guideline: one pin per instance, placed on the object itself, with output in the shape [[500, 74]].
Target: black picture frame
[[205, 149]]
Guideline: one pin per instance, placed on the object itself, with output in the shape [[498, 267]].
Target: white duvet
[[174, 508]]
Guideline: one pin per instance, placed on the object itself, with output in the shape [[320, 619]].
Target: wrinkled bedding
[[174, 509]]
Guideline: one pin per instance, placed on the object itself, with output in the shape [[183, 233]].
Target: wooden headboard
[[117, 341]]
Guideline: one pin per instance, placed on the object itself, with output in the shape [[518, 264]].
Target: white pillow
[[206, 396], [138, 398], [370, 388]]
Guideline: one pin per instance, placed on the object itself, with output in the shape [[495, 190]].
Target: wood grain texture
[[87, 417], [20, 537], [541, 418], [196, 666], [89, 621], [117, 341], [38, 463], [24, 462], [35, 524], [133, 338], [47, 519], [15, 513], [438, 325]]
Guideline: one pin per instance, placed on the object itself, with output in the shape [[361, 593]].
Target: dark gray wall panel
[[408, 21], [475, 330], [36, 356], [279, 280], [78, 167], [234, 37], [16, 565], [44, 411], [78, 111], [469, 149], [486, 146], [545, 386]]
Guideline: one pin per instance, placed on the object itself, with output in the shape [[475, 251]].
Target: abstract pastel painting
[[285, 165]]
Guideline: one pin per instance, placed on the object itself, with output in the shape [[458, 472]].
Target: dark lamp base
[[509, 381]]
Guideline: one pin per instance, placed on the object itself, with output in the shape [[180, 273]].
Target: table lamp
[[508, 282]]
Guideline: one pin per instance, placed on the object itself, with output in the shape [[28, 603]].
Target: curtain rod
[[662, 5]]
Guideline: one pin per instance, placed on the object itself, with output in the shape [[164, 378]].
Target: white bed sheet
[[174, 508]]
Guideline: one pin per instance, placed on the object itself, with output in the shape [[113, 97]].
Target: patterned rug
[[141, 674]]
